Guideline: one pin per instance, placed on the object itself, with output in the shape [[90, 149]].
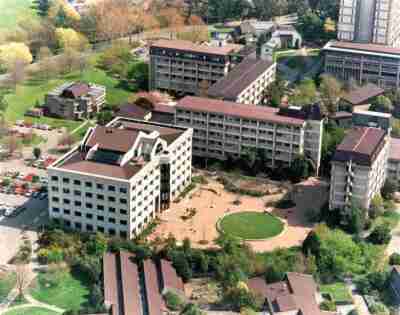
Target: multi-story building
[[75, 100], [120, 176], [183, 67], [393, 167], [246, 83], [370, 21], [359, 168], [363, 63], [223, 129]]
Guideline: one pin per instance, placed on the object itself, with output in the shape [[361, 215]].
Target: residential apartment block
[[120, 176], [183, 67], [370, 21], [75, 100], [246, 83], [359, 168], [223, 129], [393, 165], [363, 63]]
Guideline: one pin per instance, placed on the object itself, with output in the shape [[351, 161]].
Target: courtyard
[[196, 215]]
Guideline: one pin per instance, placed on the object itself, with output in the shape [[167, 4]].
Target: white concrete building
[[120, 176], [359, 168], [223, 129], [370, 21], [393, 168]]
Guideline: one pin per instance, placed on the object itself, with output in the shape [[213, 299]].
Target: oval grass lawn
[[251, 225]]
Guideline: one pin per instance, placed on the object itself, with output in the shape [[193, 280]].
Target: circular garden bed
[[251, 225]]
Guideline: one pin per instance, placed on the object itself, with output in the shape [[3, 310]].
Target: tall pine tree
[[42, 7]]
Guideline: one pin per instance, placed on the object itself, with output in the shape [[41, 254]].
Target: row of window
[[89, 216], [87, 204], [76, 182]]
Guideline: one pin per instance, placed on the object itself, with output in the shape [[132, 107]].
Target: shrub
[[381, 235], [191, 309], [173, 301], [379, 309], [329, 306], [394, 259], [388, 189]]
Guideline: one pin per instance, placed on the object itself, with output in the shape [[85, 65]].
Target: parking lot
[[28, 221]]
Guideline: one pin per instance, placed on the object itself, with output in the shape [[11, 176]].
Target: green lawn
[[14, 11], [31, 311], [65, 290], [33, 91], [338, 291], [251, 225], [7, 282]]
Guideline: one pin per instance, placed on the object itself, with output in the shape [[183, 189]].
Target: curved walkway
[[34, 303]]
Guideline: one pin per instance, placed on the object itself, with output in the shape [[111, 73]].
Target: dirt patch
[[205, 292]]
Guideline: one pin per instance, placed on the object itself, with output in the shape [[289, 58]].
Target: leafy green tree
[[37, 152], [381, 235], [96, 297], [274, 273], [311, 26], [300, 168], [182, 266], [42, 7], [330, 90], [191, 309], [305, 93], [139, 73], [394, 259], [312, 244], [382, 104], [104, 117], [173, 301], [376, 207], [356, 220], [388, 189], [97, 244]]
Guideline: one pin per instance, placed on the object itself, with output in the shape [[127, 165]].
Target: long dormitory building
[[183, 67], [223, 129], [120, 176]]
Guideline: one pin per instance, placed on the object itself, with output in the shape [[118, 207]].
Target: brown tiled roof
[[184, 45], [155, 300], [360, 145], [120, 140], [130, 285], [170, 280], [76, 90], [76, 162], [365, 47], [241, 77], [362, 94], [394, 151], [262, 113], [166, 133], [301, 284], [132, 111], [111, 283]]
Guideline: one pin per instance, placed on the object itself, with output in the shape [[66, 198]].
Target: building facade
[[120, 176], [75, 101], [246, 83], [223, 129], [370, 21], [393, 167], [186, 68], [363, 63], [359, 168]]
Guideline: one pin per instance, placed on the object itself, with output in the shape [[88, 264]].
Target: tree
[[191, 309], [376, 207], [330, 90], [62, 14], [22, 278], [394, 259], [15, 53], [182, 266], [382, 104], [300, 168], [388, 189], [381, 235], [42, 7], [311, 26], [69, 38], [139, 73], [356, 219], [305, 93], [37, 152], [173, 301]]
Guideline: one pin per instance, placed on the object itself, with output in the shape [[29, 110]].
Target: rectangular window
[[89, 215], [77, 193], [100, 229], [111, 198], [54, 178], [66, 180], [123, 222], [66, 190], [123, 201], [66, 211], [56, 210], [55, 199], [66, 201], [89, 227], [67, 223], [111, 231], [100, 197], [78, 225], [78, 203], [112, 210], [77, 182], [111, 220], [55, 189], [122, 190], [100, 207], [111, 188], [89, 195], [78, 213], [89, 205], [88, 184], [100, 218], [123, 211], [100, 186]]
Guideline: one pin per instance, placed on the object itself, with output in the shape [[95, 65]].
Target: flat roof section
[[363, 48], [130, 285], [184, 45], [111, 283], [361, 145], [263, 113], [240, 78]]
